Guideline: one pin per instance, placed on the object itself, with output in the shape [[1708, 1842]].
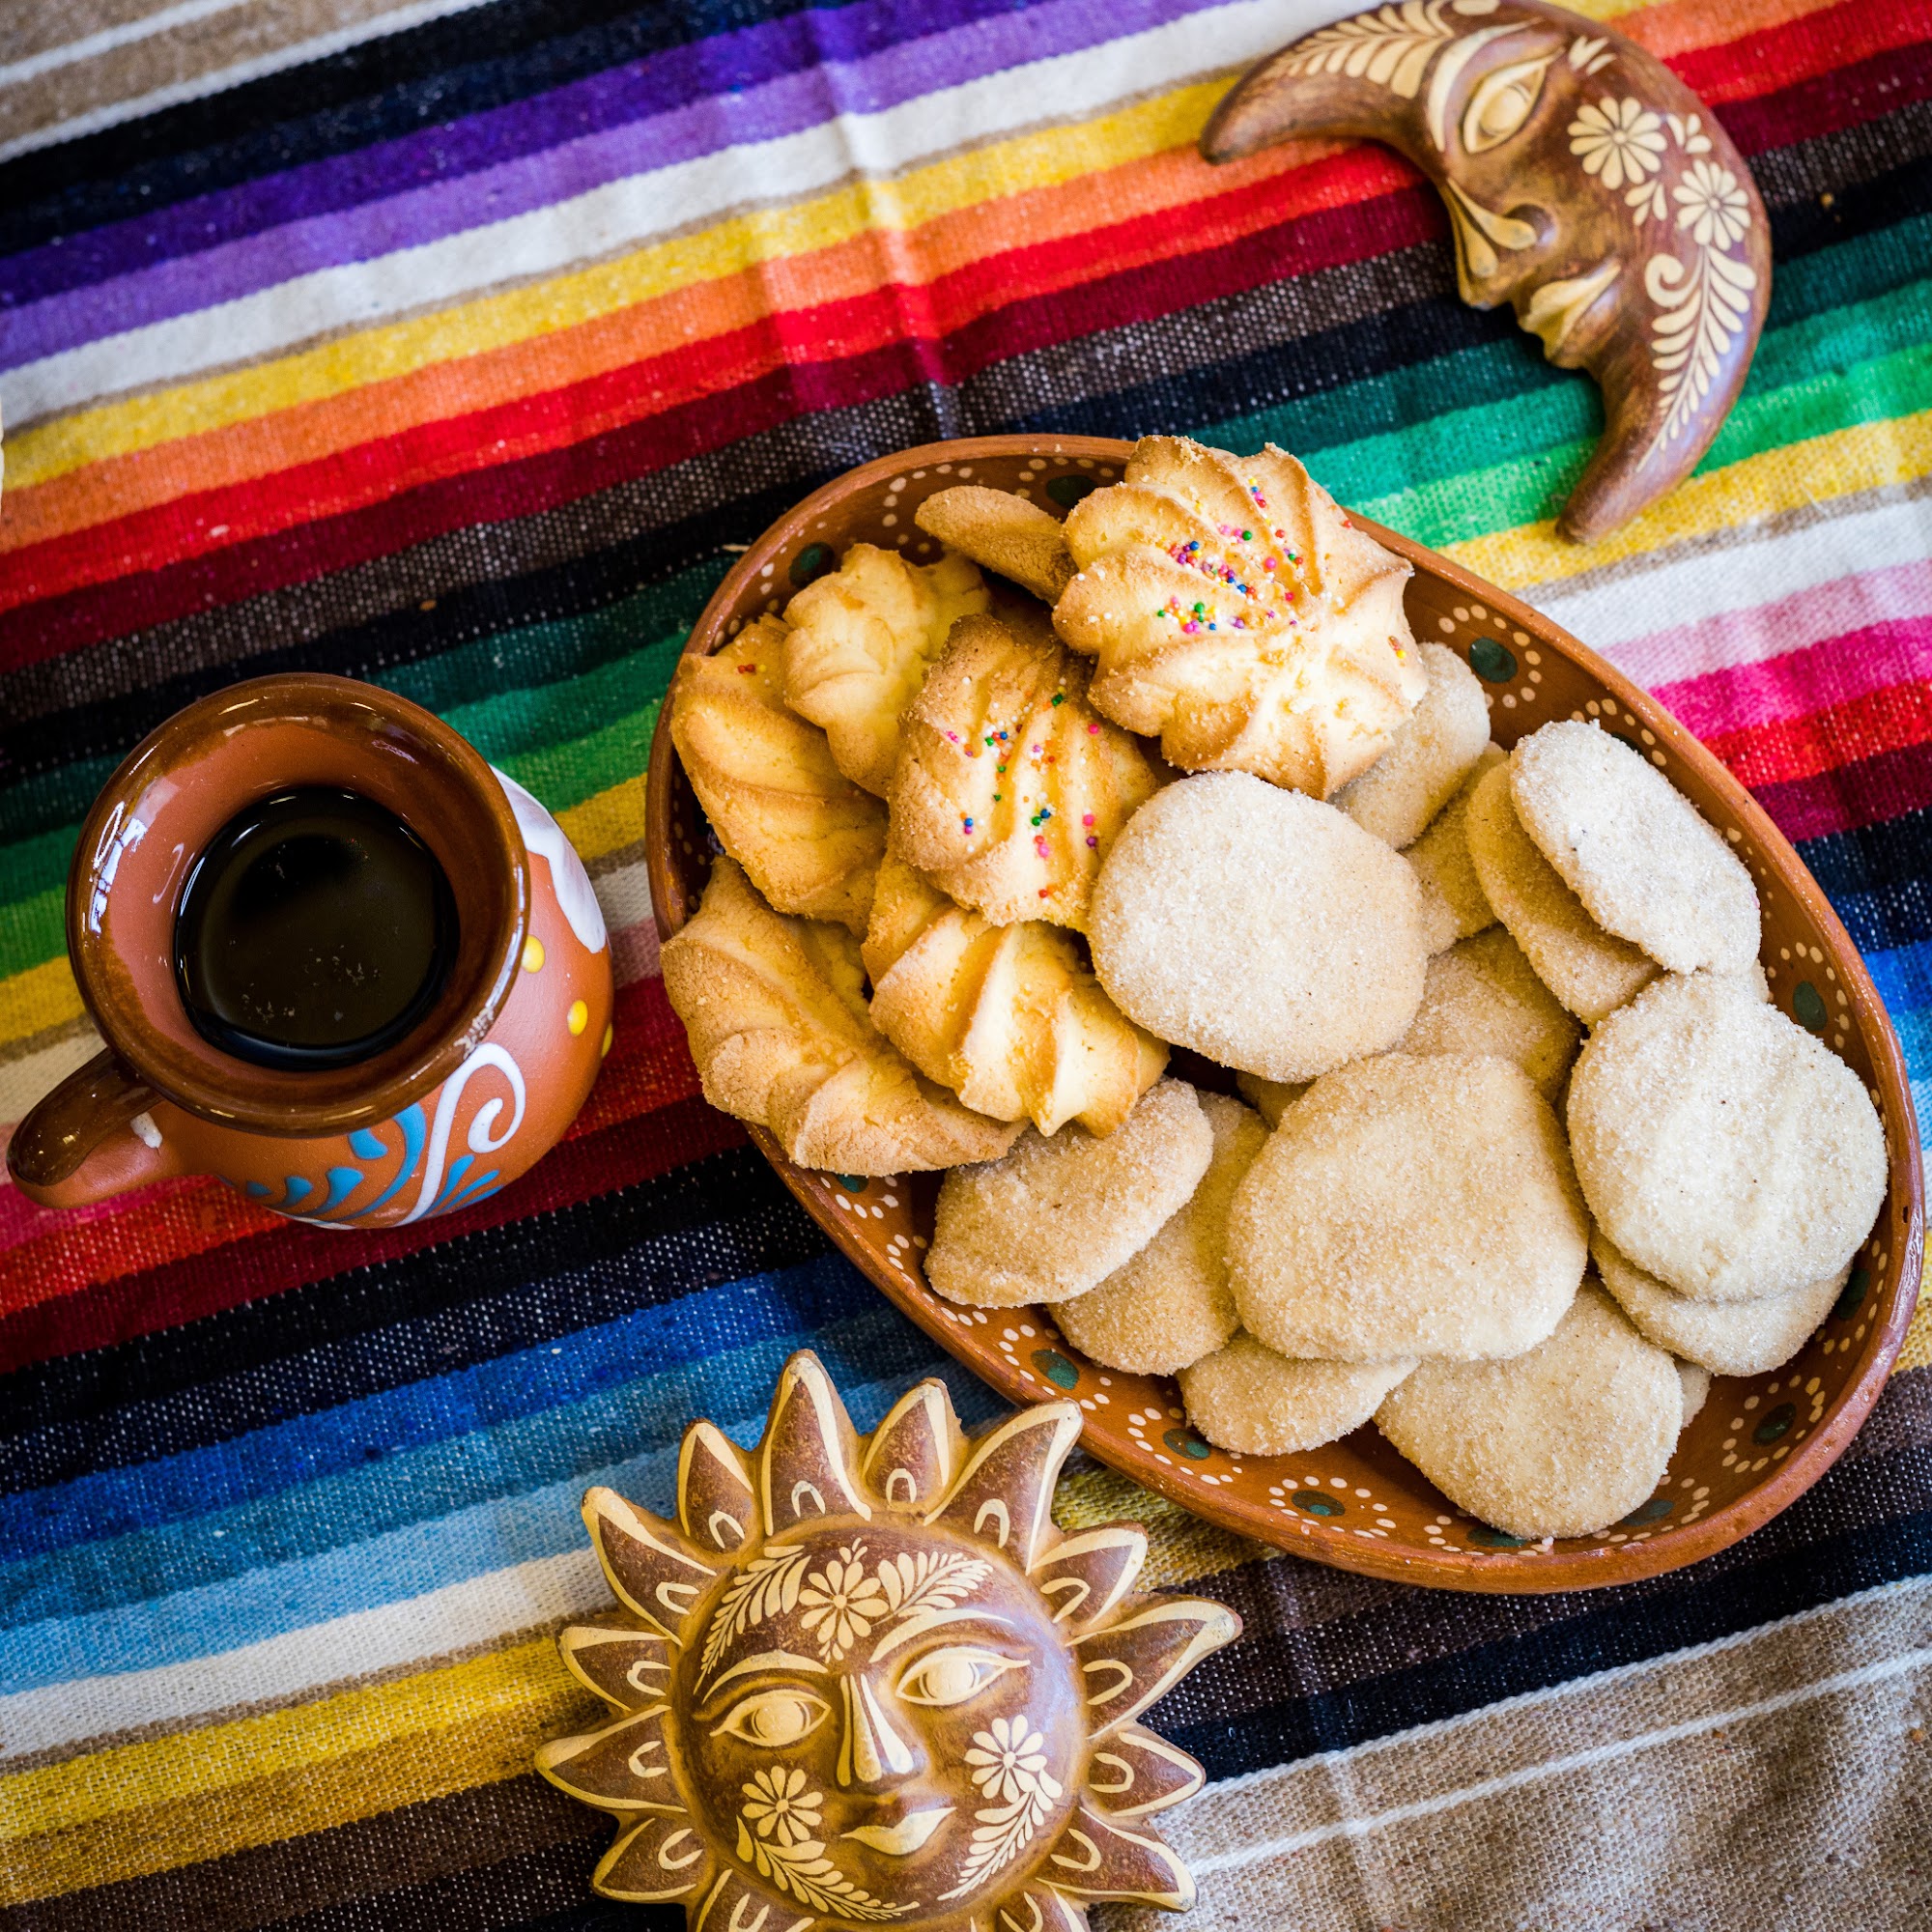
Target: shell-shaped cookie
[[809, 837], [1237, 614], [862, 641], [1010, 1017], [1010, 789], [774, 1009]]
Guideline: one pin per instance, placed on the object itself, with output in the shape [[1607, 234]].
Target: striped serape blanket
[[452, 344]]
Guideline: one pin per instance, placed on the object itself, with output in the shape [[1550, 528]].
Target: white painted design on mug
[[575, 896]]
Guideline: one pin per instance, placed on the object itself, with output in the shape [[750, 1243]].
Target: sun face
[[867, 1682]]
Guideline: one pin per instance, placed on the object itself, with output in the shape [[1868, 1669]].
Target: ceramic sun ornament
[[865, 1681], [1587, 186]]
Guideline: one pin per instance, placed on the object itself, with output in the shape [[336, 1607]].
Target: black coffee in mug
[[315, 931]]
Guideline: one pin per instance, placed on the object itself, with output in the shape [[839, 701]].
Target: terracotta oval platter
[[1757, 1444]]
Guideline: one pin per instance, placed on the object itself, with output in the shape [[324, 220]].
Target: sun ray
[[652, 1568], [1127, 1664], [625, 1766], [625, 1665], [1100, 1858], [1038, 1908], [659, 1858], [1135, 1772], [911, 1457], [808, 1458], [735, 1904], [1004, 1495], [716, 1503], [1086, 1577]]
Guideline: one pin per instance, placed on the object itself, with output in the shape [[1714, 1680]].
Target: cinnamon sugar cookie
[[1729, 1338], [1481, 996], [1259, 927], [1408, 1206], [1695, 1384], [1009, 790], [774, 1009], [1647, 866], [1170, 1304], [1270, 1098], [1427, 758], [810, 839], [1001, 531], [862, 641], [1563, 1440], [1055, 1217], [1721, 1147], [1452, 903], [1590, 971], [1252, 1401]]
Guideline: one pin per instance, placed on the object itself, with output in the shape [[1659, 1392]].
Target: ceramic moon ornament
[[865, 1681], [1587, 186]]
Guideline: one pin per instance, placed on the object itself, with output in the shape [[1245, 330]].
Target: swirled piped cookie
[[775, 1011], [862, 641], [1010, 1017], [810, 839], [1010, 789], [1001, 531], [1239, 616]]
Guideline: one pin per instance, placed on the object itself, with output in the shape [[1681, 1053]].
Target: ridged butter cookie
[[1427, 758], [1001, 531], [1170, 1305], [1729, 1338], [775, 1011], [1592, 972], [1259, 927], [1721, 1147], [1055, 1217], [1410, 1206], [1563, 1440], [1247, 1399], [1646, 864]]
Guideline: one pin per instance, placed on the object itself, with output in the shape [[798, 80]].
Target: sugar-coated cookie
[[1646, 864], [1270, 1098], [1001, 531], [775, 1011], [1247, 1399], [1010, 1017], [810, 839], [1410, 1206], [862, 641], [1053, 1219], [1695, 1384], [1721, 1147], [1482, 996], [1259, 927], [1454, 905], [1427, 758], [1564, 1441], [1239, 615], [1589, 970], [1010, 789], [1170, 1304], [1728, 1338]]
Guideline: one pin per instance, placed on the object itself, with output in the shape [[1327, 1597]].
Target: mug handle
[[79, 1145]]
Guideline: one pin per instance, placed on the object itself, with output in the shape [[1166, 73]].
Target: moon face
[[1587, 187]]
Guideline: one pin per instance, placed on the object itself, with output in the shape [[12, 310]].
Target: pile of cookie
[[1522, 1152]]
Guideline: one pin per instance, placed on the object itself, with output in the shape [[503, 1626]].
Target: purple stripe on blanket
[[677, 106]]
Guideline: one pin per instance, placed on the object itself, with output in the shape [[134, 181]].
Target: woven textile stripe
[[453, 347]]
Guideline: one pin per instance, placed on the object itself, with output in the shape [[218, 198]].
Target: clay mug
[[486, 1083]]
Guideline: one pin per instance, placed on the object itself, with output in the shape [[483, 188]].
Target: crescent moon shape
[[1586, 186]]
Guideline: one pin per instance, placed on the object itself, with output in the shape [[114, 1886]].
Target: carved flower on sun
[[1010, 1761], [842, 1604], [1712, 204], [1617, 141], [778, 1802]]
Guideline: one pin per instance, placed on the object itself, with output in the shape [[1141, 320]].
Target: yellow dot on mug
[[533, 954], [579, 1016], [610, 1034]]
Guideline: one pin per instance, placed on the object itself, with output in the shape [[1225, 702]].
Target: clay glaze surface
[[865, 1681], [1758, 1443]]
